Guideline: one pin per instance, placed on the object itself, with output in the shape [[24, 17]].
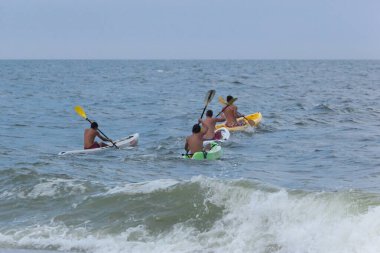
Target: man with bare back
[[194, 142], [210, 123], [89, 137], [231, 114]]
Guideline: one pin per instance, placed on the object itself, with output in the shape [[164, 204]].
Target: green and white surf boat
[[214, 153]]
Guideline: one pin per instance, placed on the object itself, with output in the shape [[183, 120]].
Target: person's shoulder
[[92, 131]]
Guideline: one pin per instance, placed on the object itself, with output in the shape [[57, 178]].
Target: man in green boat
[[210, 123], [231, 114], [89, 137], [194, 142]]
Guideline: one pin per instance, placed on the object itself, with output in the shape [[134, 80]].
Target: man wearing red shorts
[[89, 137]]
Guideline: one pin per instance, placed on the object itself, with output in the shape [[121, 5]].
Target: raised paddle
[[222, 101], [79, 110], [209, 96]]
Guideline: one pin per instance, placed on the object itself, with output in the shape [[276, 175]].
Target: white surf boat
[[130, 140], [222, 135]]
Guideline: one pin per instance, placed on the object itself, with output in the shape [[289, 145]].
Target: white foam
[[255, 219], [53, 187], [250, 129], [6, 195], [144, 187]]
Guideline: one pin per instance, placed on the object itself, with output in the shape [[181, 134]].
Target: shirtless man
[[231, 114], [194, 142], [89, 137], [210, 123]]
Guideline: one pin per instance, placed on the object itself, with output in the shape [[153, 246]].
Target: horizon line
[[190, 59]]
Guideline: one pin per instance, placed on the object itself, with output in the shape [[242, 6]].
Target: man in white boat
[[231, 114], [194, 142], [89, 137], [210, 123]]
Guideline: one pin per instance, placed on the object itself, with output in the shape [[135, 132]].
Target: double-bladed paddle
[[80, 111]]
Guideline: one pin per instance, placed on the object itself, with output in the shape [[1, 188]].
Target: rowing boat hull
[[255, 117], [130, 140], [214, 154]]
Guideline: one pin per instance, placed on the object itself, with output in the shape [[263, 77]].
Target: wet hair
[[196, 128], [94, 125], [209, 113], [229, 98]]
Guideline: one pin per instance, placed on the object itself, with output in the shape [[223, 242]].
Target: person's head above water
[[229, 98], [209, 113], [196, 128], [94, 125]]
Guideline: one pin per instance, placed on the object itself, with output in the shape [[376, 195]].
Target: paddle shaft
[[104, 135], [222, 110], [249, 120], [204, 109], [227, 104]]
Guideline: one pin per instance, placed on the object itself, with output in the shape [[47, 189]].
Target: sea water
[[306, 180]]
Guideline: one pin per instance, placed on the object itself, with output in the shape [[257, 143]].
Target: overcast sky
[[190, 29]]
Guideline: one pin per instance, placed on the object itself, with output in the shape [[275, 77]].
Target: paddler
[[194, 142], [231, 114], [210, 123], [89, 137]]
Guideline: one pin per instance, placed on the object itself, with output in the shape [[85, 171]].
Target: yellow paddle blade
[[80, 111], [224, 102]]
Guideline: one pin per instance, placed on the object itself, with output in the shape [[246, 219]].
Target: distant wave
[[324, 107]]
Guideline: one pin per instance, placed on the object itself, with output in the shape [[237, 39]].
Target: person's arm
[[186, 146], [221, 119], [238, 115], [102, 137]]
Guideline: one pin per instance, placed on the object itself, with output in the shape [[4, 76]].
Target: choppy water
[[306, 180]]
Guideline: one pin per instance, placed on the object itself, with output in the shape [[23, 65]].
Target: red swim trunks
[[239, 123], [218, 135], [95, 145]]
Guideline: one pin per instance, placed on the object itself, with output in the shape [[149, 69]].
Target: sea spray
[[242, 216]]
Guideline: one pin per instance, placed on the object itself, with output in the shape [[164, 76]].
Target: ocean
[[307, 180]]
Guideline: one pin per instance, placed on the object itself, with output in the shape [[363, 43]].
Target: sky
[[189, 29]]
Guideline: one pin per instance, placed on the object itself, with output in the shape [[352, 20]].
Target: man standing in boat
[[194, 142], [231, 114], [210, 123], [89, 137]]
